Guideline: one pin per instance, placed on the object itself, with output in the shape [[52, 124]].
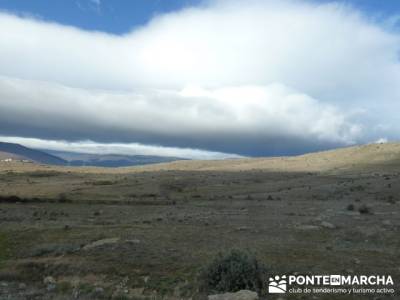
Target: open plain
[[146, 232]]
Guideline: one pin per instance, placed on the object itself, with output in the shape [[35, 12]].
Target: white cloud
[[381, 141], [261, 70], [205, 113], [90, 147]]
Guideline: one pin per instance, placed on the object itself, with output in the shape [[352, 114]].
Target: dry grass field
[[146, 232]]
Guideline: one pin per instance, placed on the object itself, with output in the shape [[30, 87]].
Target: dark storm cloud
[[219, 119]]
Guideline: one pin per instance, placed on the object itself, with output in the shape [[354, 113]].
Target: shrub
[[103, 182], [234, 271], [62, 198], [364, 209]]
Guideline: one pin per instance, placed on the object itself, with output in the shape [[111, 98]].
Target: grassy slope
[[344, 158]]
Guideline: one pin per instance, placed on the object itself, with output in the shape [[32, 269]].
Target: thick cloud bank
[[123, 149], [247, 77]]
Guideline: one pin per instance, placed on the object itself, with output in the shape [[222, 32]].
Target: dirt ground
[[146, 232]]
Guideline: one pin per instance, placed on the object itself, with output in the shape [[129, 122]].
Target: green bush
[[234, 271]]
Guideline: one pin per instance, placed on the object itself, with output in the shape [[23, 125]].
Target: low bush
[[234, 271]]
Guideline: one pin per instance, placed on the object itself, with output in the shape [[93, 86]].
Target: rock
[[307, 227], [354, 213], [241, 295], [133, 241], [50, 283], [100, 243], [75, 293], [22, 286], [243, 228], [98, 291], [146, 279], [327, 225], [136, 292], [356, 261], [350, 207], [49, 280], [386, 223]]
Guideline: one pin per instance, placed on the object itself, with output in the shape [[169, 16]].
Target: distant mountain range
[[51, 157], [109, 160], [17, 151]]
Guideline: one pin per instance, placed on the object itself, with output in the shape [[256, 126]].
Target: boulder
[[49, 280], [327, 225], [100, 243], [50, 283], [307, 227]]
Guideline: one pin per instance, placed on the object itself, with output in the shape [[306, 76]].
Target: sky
[[123, 16], [199, 79]]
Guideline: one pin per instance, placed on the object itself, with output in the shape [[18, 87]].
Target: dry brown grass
[[171, 219]]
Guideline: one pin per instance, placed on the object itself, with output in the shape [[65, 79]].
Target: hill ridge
[[37, 156], [348, 158]]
